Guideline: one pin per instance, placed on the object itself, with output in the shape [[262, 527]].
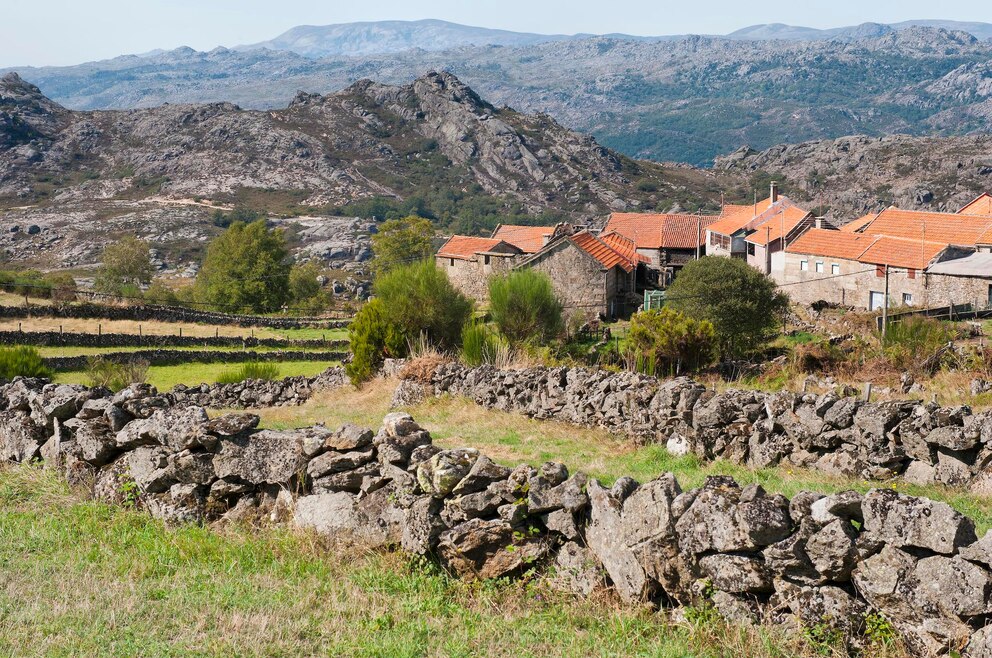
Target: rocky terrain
[[686, 99], [72, 178], [840, 563], [848, 177]]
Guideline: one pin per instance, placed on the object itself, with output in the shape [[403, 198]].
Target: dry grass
[[96, 580]]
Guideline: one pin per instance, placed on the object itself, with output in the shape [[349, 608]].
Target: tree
[[372, 339], [126, 266], [305, 292], [524, 306], [665, 341], [246, 269], [418, 299], [740, 301], [401, 242]]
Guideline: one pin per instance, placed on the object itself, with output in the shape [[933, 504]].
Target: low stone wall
[[258, 393], [75, 339], [841, 560], [922, 443], [177, 357], [164, 314]]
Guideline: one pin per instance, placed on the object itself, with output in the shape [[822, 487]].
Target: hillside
[[852, 176], [686, 99], [432, 146]]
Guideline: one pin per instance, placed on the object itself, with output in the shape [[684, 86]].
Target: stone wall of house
[[960, 290], [833, 434], [854, 286], [578, 280], [811, 562], [471, 276]]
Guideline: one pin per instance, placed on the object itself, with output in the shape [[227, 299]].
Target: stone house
[[765, 246], [929, 259], [469, 262], [666, 241], [589, 276]]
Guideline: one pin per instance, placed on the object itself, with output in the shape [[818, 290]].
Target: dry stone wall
[[839, 560], [75, 339], [922, 443], [147, 313], [178, 357]]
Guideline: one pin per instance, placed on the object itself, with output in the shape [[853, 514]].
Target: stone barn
[[590, 277], [470, 261]]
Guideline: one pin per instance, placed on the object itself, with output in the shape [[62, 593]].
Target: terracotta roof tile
[[900, 252], [980, 206], [528, 239], [661, 231], [623, 246], [946, 228], [602, 252], [771, 227], [466, 247], [859, 223], [831, 244]]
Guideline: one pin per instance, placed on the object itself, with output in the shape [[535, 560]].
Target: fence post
[[99, 329], [180, 332]]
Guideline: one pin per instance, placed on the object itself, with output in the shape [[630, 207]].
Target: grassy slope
[[513, 438], [165, 377], [83, 578]]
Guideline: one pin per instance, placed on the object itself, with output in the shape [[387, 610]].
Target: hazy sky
[[45, 32]]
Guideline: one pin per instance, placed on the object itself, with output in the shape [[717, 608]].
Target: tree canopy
[[125, 267], [741, 302], [401, 242], [246, 269]]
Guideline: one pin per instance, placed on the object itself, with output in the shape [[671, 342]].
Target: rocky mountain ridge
[[688, 99]]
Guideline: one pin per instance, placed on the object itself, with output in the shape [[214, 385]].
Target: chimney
[[773, 193], [818, 222]]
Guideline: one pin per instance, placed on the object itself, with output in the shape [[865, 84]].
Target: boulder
[[443, 472], [422, 526], [266, 456], [979, 552], [149, 468], [20, 438], [349, 437], [338, 462], [717, 520], [955, 587], [736, 574], [832, 550], [329, 514], [483, 473], [95, 441], [482, 550], [605, 537], [844, 505], [231, 424], [577, 570], [905, 521], [569, 495]]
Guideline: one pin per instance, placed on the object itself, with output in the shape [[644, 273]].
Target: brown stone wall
[[472, 276], [578, 279]]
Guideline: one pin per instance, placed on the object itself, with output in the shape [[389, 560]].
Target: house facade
[[469, 262]]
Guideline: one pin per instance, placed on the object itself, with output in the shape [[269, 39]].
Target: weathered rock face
[[751, 555], [839, 435]]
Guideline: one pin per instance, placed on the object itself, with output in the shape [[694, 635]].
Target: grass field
[[154, 328], [84, 578], [513, 439], [165, 377]]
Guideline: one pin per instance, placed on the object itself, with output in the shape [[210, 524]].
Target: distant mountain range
[[677, 98]]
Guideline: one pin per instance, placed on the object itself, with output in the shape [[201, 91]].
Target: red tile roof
[[859, 223], [602, 252], [465, 247], [735, 218], [528, 239], [623, 246], [868, 249], [661, 231], [772, 226], [980, 206], [900, 252], [946, 228], [831, 244]]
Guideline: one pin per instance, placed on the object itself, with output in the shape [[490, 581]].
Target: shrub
[[63, 286], [305, 293], [250, 370], [740, 301], [913, 340], [22, 362], [114, 375], [373, 339], [160, 294], [419, 300], [665, 341], [126, 266], [480, 344], [524, 306]]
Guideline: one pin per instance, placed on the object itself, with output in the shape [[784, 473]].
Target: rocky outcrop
[[812, 561], [921, 443]]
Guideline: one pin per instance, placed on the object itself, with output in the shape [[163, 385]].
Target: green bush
[[250, 370], [373, 339], [913, 340], [402, 241], [125, 267], [480, 344], [418, 301], [524, 307], [59, 286], [22, 362], [305, 293], [160, 294], [666, 342], [114, 375], [741, 302]]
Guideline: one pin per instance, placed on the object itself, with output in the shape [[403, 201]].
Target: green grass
[[165, 377], [84, 578], [512, 439], [72, 350], [312, 334]]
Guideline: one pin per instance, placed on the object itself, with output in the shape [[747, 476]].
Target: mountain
[[768, 31], [689, 99], [379, 37]]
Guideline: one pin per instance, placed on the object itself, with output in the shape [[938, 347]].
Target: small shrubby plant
[[524, 307], [250, 370], [22, 362], [116, 376]]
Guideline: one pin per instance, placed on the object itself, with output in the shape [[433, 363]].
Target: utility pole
[[885, 305], [699, 234]]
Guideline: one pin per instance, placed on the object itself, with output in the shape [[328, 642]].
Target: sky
[[65, 32]]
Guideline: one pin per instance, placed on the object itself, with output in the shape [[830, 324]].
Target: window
[[452, 263], [486, 259], [911, 274], [750, 248], [819, 267], [907, 298], [803, 265], [834, 268], [880, 271]]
